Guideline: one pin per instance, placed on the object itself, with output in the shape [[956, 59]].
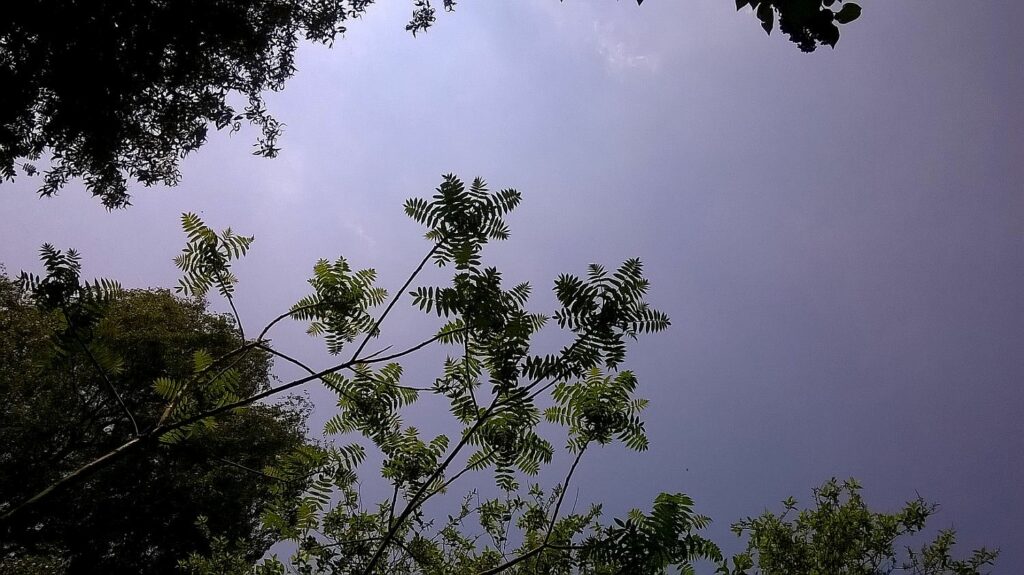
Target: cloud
[[621, 56]]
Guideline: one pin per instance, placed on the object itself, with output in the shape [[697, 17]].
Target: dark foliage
[[808, 23], [124, 89], [114, 91], [139, 514]]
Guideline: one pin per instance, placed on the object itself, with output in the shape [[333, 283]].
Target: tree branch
[[80, 473], [551, 526], [163, 427], [248, 469], [370, 360], [394, 300], [238, 319], [103, 374], [418, 498]]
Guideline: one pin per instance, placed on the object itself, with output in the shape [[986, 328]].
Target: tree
[[60, 367], [840, 535], [497, 389], [120, 90]]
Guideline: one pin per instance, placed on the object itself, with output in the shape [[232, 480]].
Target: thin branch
[[283, 387], [418, 498], [400, 386], [394, 300], [103, 374], [394, 501], [164, 427], [378, 352], [298, 363], [181, 392], [283, 316], [505, 529], [561, 495], [81, 472], [453, 478], [551, 526], [247, 469], [542, 389], [238, 319], [242, 349], [465, 361], [417, 347]]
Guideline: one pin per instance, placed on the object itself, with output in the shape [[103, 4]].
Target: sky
[[838, 237]]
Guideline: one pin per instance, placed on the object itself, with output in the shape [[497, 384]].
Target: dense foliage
[[840, 535], [114, 91], [77, 380]]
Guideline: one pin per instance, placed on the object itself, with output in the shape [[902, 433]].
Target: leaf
[[848, 13], [830, 35], [767, 17]]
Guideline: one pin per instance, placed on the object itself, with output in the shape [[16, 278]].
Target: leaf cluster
[[600, 408], [339, 307], [808, 23], [81, 304], [206, 260], [650, 543], [603, 310]]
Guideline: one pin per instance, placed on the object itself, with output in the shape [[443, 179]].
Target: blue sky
[[838, 236]]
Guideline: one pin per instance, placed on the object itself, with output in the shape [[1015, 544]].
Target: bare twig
[[417, 347], [398, 295], [81, 472], [248, 469], [238, 319]]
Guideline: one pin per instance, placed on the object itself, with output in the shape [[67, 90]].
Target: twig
[[551, 526], [418, 499], [164, 427], [249, 469], [378, 352], [81, 472], [103, 374], [417, 347], [238, 319], [376, 325]]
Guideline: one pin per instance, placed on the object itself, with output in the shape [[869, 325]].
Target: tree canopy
[[498, 390], [72, 388], [509, 404], [839, 534], [116, 91]]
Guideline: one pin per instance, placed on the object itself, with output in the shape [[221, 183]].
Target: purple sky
[[838, 237]]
